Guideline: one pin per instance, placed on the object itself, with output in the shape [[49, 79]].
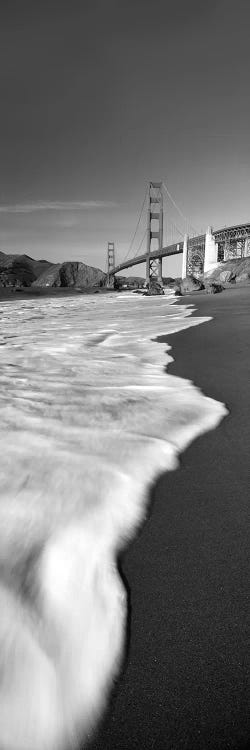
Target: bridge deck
[[175, 249]]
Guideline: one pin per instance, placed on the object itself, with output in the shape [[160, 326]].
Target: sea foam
[[89, 418]]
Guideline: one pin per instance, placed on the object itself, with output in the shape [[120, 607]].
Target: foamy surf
[[89, 418]]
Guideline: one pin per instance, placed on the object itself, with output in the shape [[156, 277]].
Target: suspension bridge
[[200, 251]]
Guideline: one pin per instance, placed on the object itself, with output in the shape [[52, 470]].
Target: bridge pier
[[184, 257], [246, 250], [147, 271], [160, 271], [211, 251]]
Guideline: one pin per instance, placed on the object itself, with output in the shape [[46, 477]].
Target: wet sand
[[185, 679]]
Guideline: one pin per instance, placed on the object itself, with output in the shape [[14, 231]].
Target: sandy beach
[[185, 680]]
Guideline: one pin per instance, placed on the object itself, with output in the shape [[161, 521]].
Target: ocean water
[[89, 418]]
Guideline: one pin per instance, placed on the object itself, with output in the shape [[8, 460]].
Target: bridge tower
[[154, 231], [110, 264]]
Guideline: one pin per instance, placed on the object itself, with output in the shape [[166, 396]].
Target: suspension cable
[[177, 229], [173, 226], [141, 242], [178, 209], [137, 225]]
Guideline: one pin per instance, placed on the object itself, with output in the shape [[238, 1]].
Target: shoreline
[[7, 295], [185, 681], [10, 295]]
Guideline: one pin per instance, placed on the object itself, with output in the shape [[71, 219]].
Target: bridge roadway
[[175, 249]]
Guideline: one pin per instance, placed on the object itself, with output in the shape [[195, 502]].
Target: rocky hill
[[20, 270], [71, 274]]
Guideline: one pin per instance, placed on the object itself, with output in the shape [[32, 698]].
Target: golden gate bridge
[[200, 251]]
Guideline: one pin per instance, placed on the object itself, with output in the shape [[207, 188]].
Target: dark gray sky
[[100, 96]]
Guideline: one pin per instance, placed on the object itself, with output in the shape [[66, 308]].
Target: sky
[[98, 97]]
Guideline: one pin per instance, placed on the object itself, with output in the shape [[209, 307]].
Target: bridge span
[[163, 252]]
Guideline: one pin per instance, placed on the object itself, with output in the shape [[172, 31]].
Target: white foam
[[89, 418]]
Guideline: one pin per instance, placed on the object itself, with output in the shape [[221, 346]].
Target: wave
[[89, 418]]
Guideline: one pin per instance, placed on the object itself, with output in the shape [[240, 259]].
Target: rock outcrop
[[214, 288], [228, 273], [226, 276], [154, 289], [236, 270], [71, 274], [188, 285]]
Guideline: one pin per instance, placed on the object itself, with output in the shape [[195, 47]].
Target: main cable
[[141, 242], [137, 225]]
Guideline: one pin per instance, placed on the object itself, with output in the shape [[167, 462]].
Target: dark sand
[[185, 681]]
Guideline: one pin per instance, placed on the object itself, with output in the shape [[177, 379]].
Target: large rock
[[214, 288], [226, 276], [154, 289], [190, 284]]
